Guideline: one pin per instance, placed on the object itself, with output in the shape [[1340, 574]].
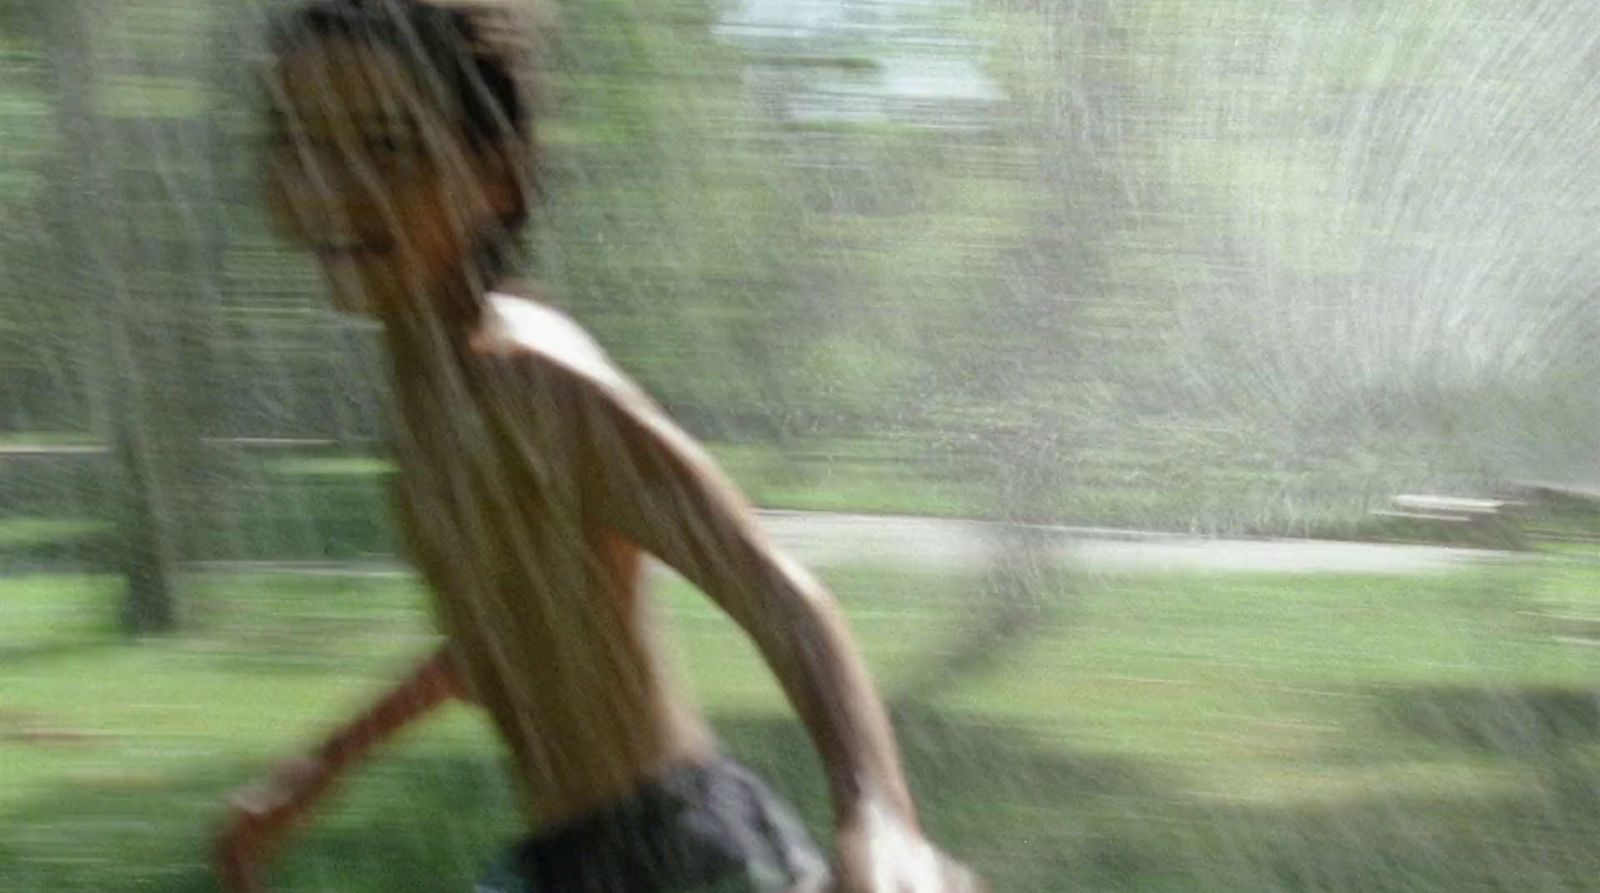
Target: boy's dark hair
[[469, 53]]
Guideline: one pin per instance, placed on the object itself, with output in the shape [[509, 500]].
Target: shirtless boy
[[533, 476]]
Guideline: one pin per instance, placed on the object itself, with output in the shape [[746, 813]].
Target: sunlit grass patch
[[43, 612]]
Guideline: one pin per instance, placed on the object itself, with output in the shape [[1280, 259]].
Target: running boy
[[533, 475]]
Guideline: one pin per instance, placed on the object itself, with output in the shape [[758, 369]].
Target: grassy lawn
[[1135, 733]]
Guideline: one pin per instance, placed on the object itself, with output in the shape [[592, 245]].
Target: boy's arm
[[650, 482], [260, 815]]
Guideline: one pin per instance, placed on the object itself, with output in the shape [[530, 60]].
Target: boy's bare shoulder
[[533, 339]]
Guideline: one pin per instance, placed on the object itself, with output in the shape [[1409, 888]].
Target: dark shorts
[[713, 828]]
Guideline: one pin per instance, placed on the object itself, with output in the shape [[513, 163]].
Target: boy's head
[[400, 138]]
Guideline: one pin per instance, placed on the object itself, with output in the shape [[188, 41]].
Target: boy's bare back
[[503, 440]]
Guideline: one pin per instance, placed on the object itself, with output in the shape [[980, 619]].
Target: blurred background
[[1036, 323]]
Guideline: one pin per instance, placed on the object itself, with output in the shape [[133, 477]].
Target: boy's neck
[[452, 307]]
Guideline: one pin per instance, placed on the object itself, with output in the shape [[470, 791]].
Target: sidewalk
[[824, 539]]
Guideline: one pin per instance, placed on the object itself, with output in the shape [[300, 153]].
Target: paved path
[[823, 539]]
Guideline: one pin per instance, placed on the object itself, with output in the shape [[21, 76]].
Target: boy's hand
[[258, 818], [880, 852]]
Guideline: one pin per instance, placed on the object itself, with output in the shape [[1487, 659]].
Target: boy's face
[[369, 171]]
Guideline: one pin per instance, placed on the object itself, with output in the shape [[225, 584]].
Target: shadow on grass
[[430, 821], [81, 554], [994, 795], [1034, 816], [1024, 592], [1531, 721], [406, 822], [1393, 842]]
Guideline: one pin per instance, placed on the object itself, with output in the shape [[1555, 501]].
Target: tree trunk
[[91, 262]]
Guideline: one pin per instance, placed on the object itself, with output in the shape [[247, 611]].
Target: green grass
[[846, 476], [17, 533], [357, 467], [48, 439], [1138, 733]]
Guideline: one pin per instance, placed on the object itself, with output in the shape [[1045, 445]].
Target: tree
[[93, 254]]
